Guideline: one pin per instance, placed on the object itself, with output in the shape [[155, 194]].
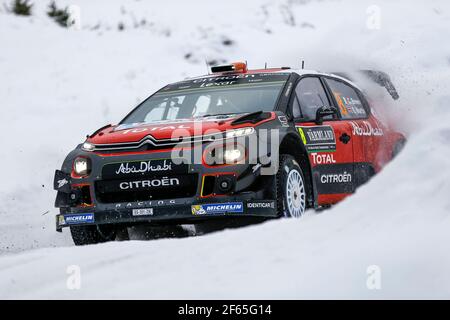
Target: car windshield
[[222, 95]]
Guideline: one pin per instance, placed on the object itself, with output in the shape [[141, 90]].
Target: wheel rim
[[295, 194]]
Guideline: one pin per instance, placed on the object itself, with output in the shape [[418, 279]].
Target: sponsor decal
[[142, 212], [366, 129], [143, 167], [163, 128], [334, 178], [61, 220], [349, 105], [153, 203], [62, 182], [198, 210], [261, 204], [340, 103], [343, 177], [228, 207], [170, 122], [78, 218], [152, 183], [318, 138], [284, 121], [225, 80], [323, 158]]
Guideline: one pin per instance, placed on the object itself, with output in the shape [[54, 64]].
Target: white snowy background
[[57, 85]]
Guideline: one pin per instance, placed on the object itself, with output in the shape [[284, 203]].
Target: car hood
[[163, 129]]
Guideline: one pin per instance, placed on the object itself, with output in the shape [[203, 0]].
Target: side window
[[296, 108], [310, 96], [349, 103]]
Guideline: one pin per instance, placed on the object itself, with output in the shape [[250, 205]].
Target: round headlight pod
[[221, 154], [87, 146], [81, 166]]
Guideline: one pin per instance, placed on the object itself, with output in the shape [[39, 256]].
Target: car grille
[[108, 191]]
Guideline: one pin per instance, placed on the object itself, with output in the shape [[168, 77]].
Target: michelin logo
[[232, 207], [77, 218]]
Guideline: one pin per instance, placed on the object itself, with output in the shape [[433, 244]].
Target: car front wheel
[[83, 235], [291, 188]]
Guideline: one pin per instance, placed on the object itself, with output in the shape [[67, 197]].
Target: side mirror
[[324, 112]]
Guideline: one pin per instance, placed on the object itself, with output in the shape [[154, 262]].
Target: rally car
[[233, 144]]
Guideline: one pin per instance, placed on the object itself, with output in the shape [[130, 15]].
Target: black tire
[[84, 235], [291, 202]]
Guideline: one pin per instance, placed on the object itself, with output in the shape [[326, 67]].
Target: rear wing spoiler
[[379, 77]]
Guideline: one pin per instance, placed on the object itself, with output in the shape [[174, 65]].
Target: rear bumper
[[179, 211]]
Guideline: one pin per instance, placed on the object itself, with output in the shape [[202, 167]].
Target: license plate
[[143, 212]]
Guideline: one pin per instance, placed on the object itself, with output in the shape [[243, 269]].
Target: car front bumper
[[179, 211], [249, 190]]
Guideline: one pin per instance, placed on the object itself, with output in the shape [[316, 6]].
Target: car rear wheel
[[291, 188], [83, 235]]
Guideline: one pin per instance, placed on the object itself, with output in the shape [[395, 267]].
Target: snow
[[58, 85]]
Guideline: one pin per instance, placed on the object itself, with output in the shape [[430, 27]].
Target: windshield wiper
[[219, 114], [253, 117]]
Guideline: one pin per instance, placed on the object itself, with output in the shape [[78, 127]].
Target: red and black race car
[[233, 145]]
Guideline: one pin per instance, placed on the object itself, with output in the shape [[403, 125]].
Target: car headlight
[[87, 146], [82, 166], [224, 154], [239, 132]]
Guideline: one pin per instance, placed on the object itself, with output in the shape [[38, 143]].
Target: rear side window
[[310, 96], [348, 100]]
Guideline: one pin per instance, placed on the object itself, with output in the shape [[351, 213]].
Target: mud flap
[[61, 183]]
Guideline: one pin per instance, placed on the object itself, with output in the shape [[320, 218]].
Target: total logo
[[163, 128], [228, 207], [323, 158]]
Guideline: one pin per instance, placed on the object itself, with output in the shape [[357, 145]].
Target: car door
[[367, 132], [329, 145]]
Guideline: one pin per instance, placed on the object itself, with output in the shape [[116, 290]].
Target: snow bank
[[57, 85]]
